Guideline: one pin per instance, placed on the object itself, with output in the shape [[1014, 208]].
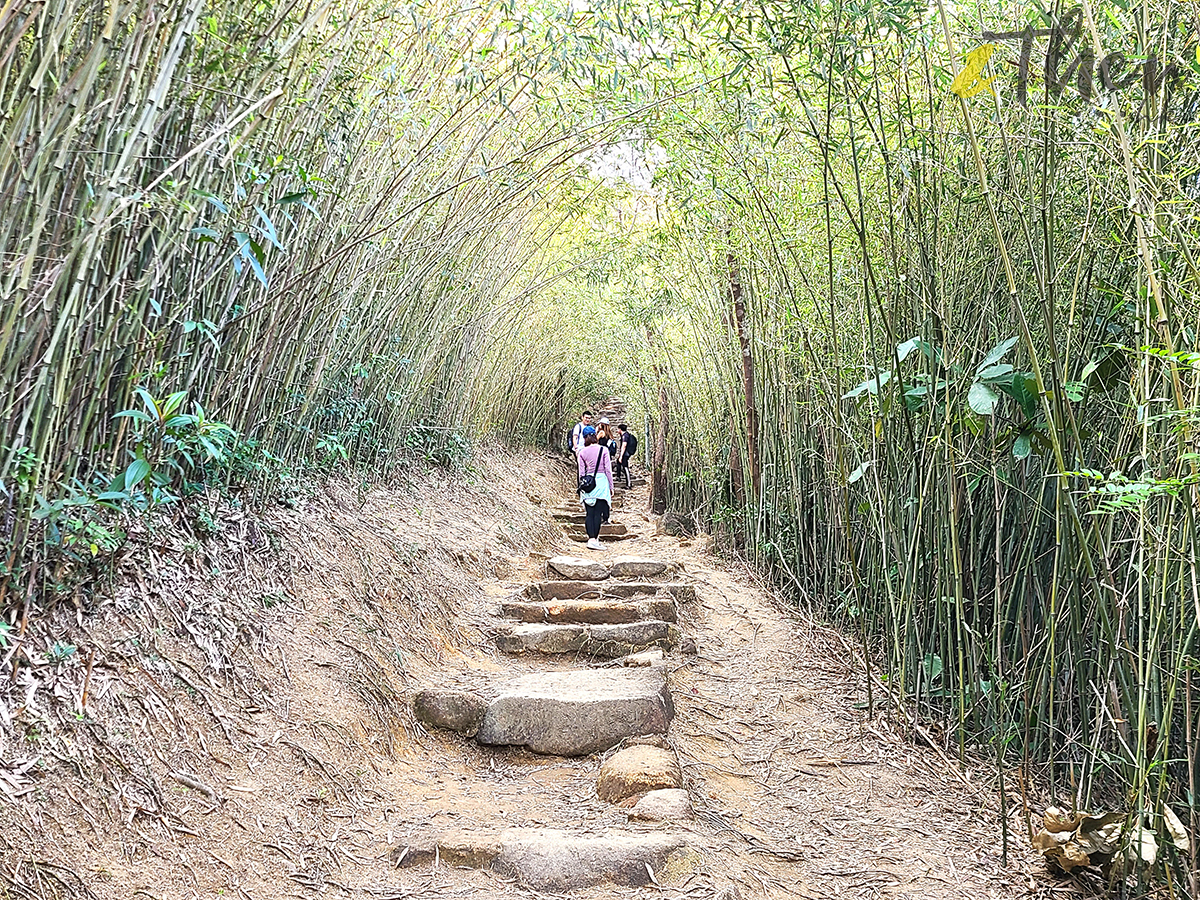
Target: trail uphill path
[[420, 693], [653, 725]]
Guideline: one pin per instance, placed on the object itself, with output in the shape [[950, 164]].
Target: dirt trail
[[297, 770]]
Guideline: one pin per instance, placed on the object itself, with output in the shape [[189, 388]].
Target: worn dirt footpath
[[309, 773]]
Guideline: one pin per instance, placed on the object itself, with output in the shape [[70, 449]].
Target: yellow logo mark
[[970, 81]]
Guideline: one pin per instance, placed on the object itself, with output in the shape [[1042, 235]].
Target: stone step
[[578, 534], [616, 528], [549, 859], [576, 568], [578, 712], [583, 569], [600, 641], [609, 529], [571, 713], [608, 590], [592, 612]]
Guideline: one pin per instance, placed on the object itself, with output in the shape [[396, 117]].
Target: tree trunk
[[658, 477], [736, 479], [559, 428], [658, 461], [743, 333]]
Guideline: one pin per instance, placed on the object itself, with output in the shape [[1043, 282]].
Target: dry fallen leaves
[[1111, 841]]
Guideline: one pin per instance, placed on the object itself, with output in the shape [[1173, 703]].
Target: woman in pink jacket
[[594, 460]]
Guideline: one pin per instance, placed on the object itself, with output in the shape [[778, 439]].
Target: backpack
[[630, 443]]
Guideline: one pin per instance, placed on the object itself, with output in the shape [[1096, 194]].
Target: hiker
[[585, 421], [594, 461], [605, 437], [626, 445]]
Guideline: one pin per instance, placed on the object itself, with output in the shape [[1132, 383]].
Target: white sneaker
[[594, 544]]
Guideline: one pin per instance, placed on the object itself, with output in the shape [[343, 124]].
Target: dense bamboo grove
[[919, 342], [296, 215], [974, 339]]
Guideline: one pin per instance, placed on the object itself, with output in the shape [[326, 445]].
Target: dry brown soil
[[234, 721]]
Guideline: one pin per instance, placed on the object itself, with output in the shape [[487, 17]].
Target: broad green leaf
[[982, 399], [150, 403], [1074, 390], [905, 349], [997, 353], [996, 372], [932, 667], [214, 200], [173, 402], [136, 414], [1022, 446], [871, 385]]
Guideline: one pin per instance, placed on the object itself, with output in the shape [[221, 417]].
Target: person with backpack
[[626, 445], [595, 485], [576, 441]]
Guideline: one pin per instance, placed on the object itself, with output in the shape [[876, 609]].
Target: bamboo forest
[[301, 304]]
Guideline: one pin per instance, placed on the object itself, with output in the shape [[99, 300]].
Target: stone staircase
[[625, 611]]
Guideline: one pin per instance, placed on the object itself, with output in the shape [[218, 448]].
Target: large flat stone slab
[[592, 612], [577, 568], [573, 590], [547, 859], [577, 712], [602, 641], [636, 567]]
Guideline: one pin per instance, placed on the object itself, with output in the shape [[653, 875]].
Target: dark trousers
[[596, 515]]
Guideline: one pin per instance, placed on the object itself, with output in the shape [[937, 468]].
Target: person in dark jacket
[[626, 445]]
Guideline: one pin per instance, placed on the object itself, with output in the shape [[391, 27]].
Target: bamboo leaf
[[138, 470], [859, 472], [253, 254]]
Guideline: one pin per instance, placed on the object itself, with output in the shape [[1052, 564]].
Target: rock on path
[[636, 567], [602, 641], [578, 712], [664, 805], [638, 769], [573, 590], [576, 568], [592, 612], [547, 859]]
